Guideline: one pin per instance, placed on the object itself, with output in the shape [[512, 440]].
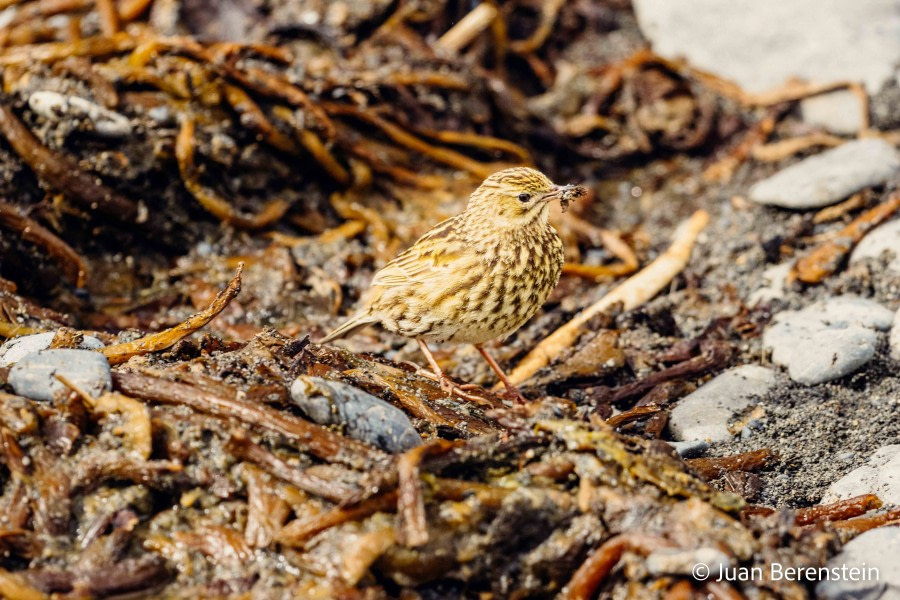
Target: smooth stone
[[364, 417], [690, 448], [884, 238], [854, 310], [830, 176], [706, 413], [894, 339], [34, 376], [761, 44], [839, 112], [13, 350], [880, 475], [815, 352], [875, 549]]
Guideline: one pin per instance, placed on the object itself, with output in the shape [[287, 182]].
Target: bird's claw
[[514, 395], [454, 389]]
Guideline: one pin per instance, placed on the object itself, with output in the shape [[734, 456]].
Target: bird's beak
[[557, 192], [563, 193]]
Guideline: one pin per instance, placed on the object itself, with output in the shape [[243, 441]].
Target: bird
[[475, 277]]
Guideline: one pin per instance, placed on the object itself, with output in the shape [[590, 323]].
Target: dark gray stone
[[363, 416]]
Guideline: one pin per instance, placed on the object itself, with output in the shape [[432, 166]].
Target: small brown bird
[[475, 277]]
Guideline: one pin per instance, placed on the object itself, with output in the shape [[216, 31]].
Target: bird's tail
[[352, 325]]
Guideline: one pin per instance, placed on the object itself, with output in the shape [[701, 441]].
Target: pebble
[[839, 112], [706, 413], [690, 448], [875, 549], [830, 176], [826, 340], [54, 106], [884, 238], [853, 309], [760, 44], [363, 416], [880, 475], [895, 337], [34, 376], [13, 350]]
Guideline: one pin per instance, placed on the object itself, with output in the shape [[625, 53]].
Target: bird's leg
[[446, 385], [512, 392]]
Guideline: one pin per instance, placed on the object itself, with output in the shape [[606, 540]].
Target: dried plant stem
[[210, 200], [154, 342], [826, 258], [467, 29], [631, 293], [72, 265]]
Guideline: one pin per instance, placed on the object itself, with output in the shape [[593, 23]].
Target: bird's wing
[[422, 266], [436, 256]]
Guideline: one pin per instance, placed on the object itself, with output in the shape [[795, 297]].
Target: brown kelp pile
[[151, 148]]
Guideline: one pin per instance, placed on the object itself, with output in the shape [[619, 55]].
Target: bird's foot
[[463, 391], [513, 394], [465, 386]]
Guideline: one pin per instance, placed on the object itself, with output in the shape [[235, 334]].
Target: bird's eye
[[523, 197]]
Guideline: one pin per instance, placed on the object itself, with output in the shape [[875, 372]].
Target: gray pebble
[[690, 448], [875, 552], [883, 239], [826, 340], [34, 376], [706, 413], [14, 349], [830, 176], [839, 112], [880, 475], [853, 310], [363, 416]]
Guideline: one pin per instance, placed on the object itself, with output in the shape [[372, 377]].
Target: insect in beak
[[565, 194]]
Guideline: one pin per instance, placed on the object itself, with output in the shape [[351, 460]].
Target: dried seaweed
[[311, 153]]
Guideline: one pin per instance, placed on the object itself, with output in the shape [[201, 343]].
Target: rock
[[853, 310], [690, 448], [884, 238], [826, 340], [830, 176], [760, 44], [880, 475], [895, 337], [363, 416], [34, 376], [706, 413], [839, 112], [14, 349], [874, 555]]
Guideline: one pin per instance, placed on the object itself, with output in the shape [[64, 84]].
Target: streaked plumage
[[475, 277]]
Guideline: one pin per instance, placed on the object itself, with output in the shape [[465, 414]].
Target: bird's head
[[519, 195]]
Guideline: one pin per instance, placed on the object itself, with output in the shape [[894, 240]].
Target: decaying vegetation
[[153, 167]]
